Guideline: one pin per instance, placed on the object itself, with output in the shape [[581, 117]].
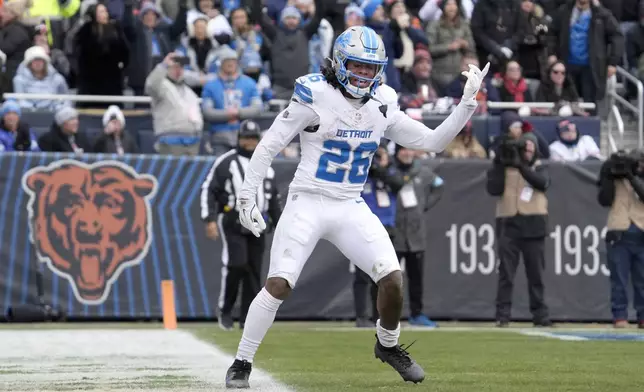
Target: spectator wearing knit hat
[[15, 135], [115, 139], [15, 39], [290, 44], [228, 99], [465, 145], [151, 40], [57, 57], [102, 55], [321, 43], [571, 146], [450, 38], [178, 123], [36, 75], [417, 87], [353, 16], [251, 66], [200, 50], [64, 135]]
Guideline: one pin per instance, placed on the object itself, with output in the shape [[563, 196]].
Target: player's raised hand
[[474, 79], [250, 217]]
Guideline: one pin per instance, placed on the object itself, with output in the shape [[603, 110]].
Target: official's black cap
[[249, 128]]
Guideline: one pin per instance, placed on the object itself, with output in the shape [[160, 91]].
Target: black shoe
[[543, 324], [238, 374], [502, 323], [398, 358], [226, 321]]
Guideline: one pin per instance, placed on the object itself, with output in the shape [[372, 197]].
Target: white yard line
[[111, 360], [551, 335]]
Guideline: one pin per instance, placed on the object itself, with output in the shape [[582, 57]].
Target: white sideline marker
[[111, 360]]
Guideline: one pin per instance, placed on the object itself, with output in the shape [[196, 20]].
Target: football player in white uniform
[[340, 115]]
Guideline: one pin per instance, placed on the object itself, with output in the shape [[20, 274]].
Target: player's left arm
[[414, 134], [286, 126]]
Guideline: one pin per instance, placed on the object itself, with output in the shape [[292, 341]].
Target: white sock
[[386, 337], [261, 315]]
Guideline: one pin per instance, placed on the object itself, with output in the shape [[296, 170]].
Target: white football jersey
[[337, 149], [338, 137]]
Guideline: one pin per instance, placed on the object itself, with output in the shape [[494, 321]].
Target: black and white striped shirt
[[221, 187]]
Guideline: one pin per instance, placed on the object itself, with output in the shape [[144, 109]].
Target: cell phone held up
[[181, 60]]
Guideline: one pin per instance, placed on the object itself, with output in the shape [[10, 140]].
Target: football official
[[380, 195], [420, 191], [621, 187], [520, 181], [242, 252]]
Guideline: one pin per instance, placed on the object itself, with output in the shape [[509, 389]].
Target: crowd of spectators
[[241, 58]]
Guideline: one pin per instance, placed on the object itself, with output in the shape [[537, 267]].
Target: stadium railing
[[636, 110], [145, 99]]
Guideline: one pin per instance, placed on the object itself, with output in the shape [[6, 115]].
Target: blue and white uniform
[[338, 137]]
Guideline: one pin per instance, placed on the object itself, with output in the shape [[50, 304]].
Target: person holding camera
[[380, 189], [519, 181], [176, 113], [242, 252], [621, 188]]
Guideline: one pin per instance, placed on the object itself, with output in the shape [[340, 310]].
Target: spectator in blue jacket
[[15, 135], [228, 99], [36, 75]]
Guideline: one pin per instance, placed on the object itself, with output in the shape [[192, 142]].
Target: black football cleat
[[398, 358], [238, 374]]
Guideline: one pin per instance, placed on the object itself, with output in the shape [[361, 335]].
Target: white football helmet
[[362, 44]]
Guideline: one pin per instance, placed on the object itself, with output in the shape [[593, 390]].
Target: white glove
[[507, 52], [3, 57], [474, 79], [250, 217]]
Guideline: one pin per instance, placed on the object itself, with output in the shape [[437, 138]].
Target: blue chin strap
[[344, 76]]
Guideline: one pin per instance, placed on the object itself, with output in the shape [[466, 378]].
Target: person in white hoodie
[[573, 147], [115, 139], [36, 75]]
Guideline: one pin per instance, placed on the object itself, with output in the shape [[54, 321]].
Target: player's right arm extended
[[286, 126]]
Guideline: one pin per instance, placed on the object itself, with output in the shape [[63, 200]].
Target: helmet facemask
[[345, 76]]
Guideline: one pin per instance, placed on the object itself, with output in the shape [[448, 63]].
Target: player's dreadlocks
[[327, 71]]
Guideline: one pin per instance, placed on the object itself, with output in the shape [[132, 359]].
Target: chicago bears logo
[[89, 222]]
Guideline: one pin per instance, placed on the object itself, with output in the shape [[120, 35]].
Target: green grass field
[[323, 359], [312, 357]]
